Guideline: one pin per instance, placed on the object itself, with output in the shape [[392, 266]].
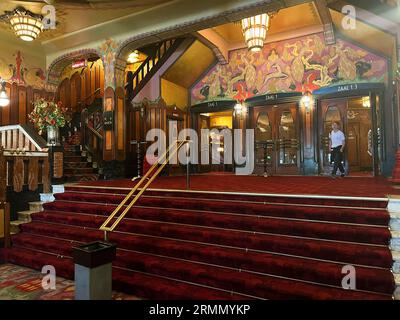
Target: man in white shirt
[[337, 142]]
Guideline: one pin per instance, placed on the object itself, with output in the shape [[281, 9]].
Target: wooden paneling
[[22, 105], [14, 104], [21, 99], [81, 87], [88, 93], [29, 101], [109, 139], [18, 176], [32, 173], [6, 111], [76, 91], [120, 124]]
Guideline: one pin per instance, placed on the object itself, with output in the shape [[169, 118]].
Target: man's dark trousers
[[337, 157]]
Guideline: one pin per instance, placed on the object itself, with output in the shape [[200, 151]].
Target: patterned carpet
[[20, 283]]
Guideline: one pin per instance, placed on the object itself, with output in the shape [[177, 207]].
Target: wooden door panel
[[332, 110], [353, 145]]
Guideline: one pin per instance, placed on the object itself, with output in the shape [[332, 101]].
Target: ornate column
[[113, 110]]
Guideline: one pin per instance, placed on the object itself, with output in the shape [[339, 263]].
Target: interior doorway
[[217, 123], [276, 139], [355, 118]]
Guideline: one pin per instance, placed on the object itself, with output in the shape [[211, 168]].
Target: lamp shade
[[255, 31], [26, 25]]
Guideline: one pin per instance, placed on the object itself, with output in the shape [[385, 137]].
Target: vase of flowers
[[49, 116]]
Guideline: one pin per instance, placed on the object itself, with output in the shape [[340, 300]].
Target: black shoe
[[342, 175]]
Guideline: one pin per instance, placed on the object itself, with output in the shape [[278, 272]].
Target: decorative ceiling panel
[[76, 15]]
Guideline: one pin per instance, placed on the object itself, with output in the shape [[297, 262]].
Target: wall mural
[[299, 64], [15, 69], [108, 52]]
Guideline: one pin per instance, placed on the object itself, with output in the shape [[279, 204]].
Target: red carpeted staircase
[[180, 245], [77, 167]]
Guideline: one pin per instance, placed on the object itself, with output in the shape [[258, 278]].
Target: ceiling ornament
[[26, 25]]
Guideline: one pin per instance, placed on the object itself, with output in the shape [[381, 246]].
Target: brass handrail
[[167, 156]]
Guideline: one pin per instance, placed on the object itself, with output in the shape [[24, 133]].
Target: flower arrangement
[[48, 113]]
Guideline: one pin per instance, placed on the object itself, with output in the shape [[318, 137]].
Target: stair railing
[[149, 66], [92, 139], [162, 161]]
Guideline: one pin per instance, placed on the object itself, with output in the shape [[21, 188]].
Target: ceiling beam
[[373, 20], [326, 19], [215, 42]]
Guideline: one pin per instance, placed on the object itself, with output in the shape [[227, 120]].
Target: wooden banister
[[21, 137], [24, 160]]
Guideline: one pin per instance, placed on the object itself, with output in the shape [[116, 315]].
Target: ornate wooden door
[[332, 110], [276, 139]]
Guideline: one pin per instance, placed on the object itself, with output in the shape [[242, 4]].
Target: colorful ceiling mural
[[299, 64]]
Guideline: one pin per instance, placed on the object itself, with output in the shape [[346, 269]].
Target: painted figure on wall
[[305, 63], [16, 70], [108, 52]]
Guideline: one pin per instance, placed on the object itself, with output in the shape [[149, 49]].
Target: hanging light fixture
[[255, 31], [26, 25], [4, 100]]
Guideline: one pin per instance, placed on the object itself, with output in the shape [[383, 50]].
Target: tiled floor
[[20, 283]]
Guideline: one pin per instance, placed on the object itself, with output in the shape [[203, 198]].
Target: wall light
[[4, 99], [238, 108], [307, 101], [133, 57], [366, 102]]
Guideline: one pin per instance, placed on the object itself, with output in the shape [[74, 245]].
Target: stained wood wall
[[21, 99], [77, 92]]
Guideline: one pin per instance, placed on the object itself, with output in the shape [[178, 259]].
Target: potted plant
[[49, 116]]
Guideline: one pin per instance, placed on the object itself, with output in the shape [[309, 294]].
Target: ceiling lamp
[[4, 100], [255, 31], [133, 57], [26, 25]]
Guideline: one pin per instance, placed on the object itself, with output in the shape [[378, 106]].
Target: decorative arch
[[178, 30], [58, 65]]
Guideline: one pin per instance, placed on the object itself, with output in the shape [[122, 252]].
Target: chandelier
[[255, 31], [26, 25]]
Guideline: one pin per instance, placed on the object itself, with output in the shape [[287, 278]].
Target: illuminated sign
[[79, 64]]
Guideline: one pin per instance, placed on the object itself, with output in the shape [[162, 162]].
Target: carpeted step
[[275, 198], [78, 170], [68, 165], [127, 281], [275, 225], [72, 177], [74, 158], [369, 279], [349, 215], [86, 230]]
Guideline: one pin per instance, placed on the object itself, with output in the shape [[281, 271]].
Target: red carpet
[[76, 166], [348, 186], [178, 245]]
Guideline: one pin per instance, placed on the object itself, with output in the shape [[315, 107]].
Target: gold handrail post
[[167, 155]]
